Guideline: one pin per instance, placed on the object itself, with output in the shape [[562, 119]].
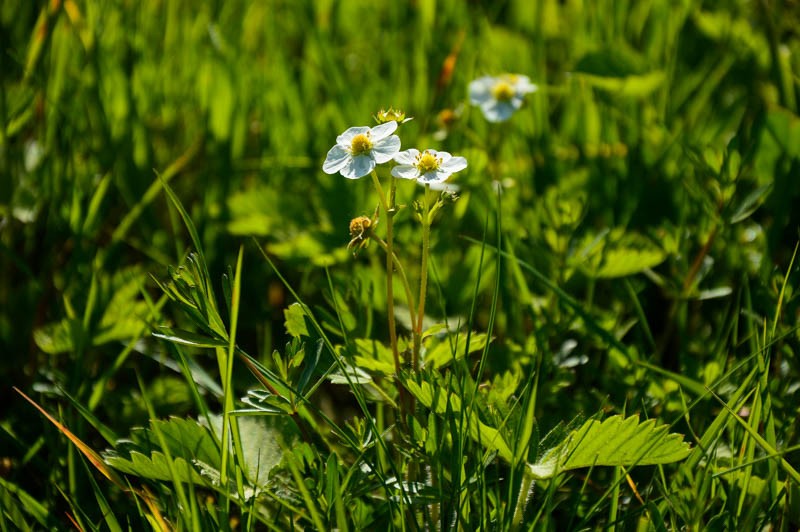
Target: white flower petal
[[454, 164], [405, 171], [442, 156], [495, 111], [407, 157], [524, 86], [385, 149], [346, 138], [434, 176], [337, 158], [445, 187], [382, 131], [480, 90], [362, 165]]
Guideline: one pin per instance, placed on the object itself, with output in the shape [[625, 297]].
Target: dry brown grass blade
[[72, 520], [100, 465], [151, 502], [87, 451]]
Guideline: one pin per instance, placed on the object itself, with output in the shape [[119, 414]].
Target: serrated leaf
[[443, 352], [154, 467], [122, 317], [187, 442], [188, 438], [373, 356], [622, 254], [295, 320], [617, 441], [437, 400]]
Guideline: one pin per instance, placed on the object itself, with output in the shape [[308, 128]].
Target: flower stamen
[[502, 91], [361, 144], [427, 162]]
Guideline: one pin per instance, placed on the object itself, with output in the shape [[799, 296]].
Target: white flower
[[359, 149], [428, 167], [499, 97]]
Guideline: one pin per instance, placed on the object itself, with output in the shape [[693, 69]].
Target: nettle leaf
[[617, 441]]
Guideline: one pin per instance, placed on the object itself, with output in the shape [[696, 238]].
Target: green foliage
[[173, 257], [617, 441]]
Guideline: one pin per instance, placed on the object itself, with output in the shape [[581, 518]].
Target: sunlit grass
[[207, 348]]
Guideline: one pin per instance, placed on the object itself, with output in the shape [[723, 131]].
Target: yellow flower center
[[361, 144], [502, 91], [427, 162]]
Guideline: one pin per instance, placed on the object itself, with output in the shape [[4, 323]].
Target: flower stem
[[412, 305], [388, 207], [423, 280]]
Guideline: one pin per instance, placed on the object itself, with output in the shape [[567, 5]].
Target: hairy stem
[[412, 305], [423, 279], [388, 207]]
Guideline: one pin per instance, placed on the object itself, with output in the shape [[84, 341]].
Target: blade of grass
[[91, 455], [764, 444]]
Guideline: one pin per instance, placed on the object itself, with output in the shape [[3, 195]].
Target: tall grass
[[177, 295]]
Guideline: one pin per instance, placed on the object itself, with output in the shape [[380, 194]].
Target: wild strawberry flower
[[500, 97], [427, 167], [359, 149]]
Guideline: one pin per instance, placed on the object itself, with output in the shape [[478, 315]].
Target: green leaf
[[373, 356], [260, 445], [617, 441], [295, 320], [441, 353], [619, 71], [750, 203], [610, 62], [622, 254], [785, 128], [154, 467], [252, 211], [178, 336], [124, 316], [437, 400], [187, 440]]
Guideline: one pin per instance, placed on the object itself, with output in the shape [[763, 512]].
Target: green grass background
[[652, 180]]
